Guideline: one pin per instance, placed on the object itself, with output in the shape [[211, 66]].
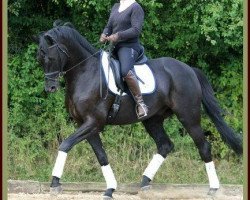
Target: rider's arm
[[108, 28], [137, 18]]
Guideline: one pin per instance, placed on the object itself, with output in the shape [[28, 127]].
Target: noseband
[[60, 72]]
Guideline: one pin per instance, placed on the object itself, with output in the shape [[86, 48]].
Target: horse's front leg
[[88, 128], [97, 146]]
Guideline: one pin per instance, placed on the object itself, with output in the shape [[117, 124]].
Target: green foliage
[[201, 33], [28, 18], [31, 135]]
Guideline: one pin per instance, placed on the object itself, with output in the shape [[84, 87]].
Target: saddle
[[116, 68]]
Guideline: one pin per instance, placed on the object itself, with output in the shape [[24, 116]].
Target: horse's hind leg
[[154, 127], [190, 116]]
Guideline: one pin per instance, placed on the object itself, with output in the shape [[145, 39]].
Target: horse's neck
[[82, 70], [78, 55], [83, 77]]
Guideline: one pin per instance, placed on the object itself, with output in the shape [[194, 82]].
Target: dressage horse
[[180, 90]]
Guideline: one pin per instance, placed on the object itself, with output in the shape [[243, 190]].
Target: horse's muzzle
[[51, 89], [51, 86]]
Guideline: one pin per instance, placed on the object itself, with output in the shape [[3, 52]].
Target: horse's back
[[174, 67], [181, 74], [182, 80]]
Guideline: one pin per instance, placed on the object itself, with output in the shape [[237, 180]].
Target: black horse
[[180, 90]]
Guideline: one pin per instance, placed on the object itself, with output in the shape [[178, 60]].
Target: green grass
[[129, 150]]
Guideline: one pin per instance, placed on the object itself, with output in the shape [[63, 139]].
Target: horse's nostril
[[52, 88]]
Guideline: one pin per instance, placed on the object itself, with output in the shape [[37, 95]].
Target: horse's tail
[[214, 112]]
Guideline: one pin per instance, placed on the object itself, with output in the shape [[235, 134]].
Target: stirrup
[[143, 105]]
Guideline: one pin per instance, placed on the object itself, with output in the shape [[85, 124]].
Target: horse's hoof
[[145, 188], [55, 190], [107, 198], [212, 191]]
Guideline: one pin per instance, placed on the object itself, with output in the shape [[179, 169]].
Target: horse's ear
[[69, 25], [49, 39], [57, 23]]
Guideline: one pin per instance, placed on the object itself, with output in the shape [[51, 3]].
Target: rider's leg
[[127, 57]]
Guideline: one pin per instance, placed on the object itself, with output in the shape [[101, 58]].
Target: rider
[[123, 29]]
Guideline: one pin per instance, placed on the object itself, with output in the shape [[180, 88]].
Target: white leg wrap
[[153, 166], [212, 176], [59, 165], [109, 177]]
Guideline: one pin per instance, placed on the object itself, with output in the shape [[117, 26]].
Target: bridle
[[59, 73]]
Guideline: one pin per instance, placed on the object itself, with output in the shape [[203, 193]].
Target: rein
[[64, 72], [60, 73], [110, 46]]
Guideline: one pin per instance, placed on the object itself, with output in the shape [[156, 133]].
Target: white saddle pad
[[142, 71]]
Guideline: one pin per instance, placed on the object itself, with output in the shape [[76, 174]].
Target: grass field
[[129, 151]]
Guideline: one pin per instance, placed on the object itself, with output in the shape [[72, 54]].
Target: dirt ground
[[82, 196], [171, 194]]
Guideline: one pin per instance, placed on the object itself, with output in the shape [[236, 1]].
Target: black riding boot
[[141, 108]]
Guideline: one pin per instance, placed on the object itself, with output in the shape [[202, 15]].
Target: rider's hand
[[113, 37], [103, 38]]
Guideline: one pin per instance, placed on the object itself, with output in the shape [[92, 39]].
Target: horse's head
[[53, 56]]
